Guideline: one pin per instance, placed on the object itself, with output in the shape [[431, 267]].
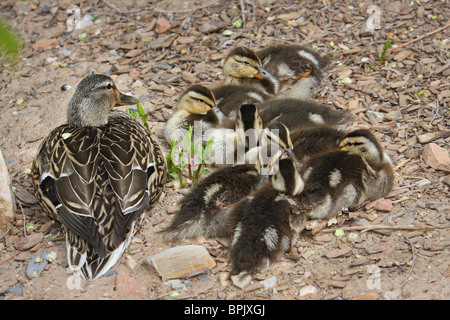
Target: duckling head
[[287, 180], [364, 144], [197, 100], [93, 99], [242, 62], [278, 133], [249, 123]]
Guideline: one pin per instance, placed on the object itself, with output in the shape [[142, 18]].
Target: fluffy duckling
[[204, 210], [230, 98], [300, 71], [196, 103], [299, 113], [259, 224], [214, 108], [358, 171], [243, 67], [97, 175]]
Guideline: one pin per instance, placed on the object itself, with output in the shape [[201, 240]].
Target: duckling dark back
[[332, 180], [231, 97], [204, 210], [261, 233], [314, 140], [296, 113]]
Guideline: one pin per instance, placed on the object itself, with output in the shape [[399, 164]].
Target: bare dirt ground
[[405, 102]]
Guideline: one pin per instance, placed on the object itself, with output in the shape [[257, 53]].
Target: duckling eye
[[246, 62], [200, 100]]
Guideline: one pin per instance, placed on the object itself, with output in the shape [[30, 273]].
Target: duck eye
[[109, 86]]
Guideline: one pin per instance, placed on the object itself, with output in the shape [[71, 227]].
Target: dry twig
[[377, 227], [420, 38]]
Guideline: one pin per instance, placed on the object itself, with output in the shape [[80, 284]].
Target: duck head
[[93, 99]]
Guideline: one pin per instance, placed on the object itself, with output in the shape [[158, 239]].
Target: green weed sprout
[[382, 55], [193, 154]]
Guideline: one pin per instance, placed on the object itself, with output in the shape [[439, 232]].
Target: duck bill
[[127, 100], [258, 75], [262, 179], [293, 157]]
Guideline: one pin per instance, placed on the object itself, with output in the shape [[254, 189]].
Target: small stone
[[130, 262], [46, 9], [383, 205], [182, 261], [423, 182], [436, 156], [64, 53], [46, 43], [203, 277], [36, 265], [308, 290], [162, 25], [211, 26], [129, 285], [176, 284], [17, 290], [269, 283], [221, 295]]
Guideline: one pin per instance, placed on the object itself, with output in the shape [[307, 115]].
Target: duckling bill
[[97, 175]]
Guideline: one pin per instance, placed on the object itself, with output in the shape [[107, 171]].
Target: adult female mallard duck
[[97, 175]]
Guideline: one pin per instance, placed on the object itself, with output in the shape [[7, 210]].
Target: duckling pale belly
[[204, 211], [98, 182]]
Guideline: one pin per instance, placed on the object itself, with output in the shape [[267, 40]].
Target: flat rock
[[7, 203], [182, 261], [128, 285], [211, 26], [436, 156], [37, 264], [383, 205]]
